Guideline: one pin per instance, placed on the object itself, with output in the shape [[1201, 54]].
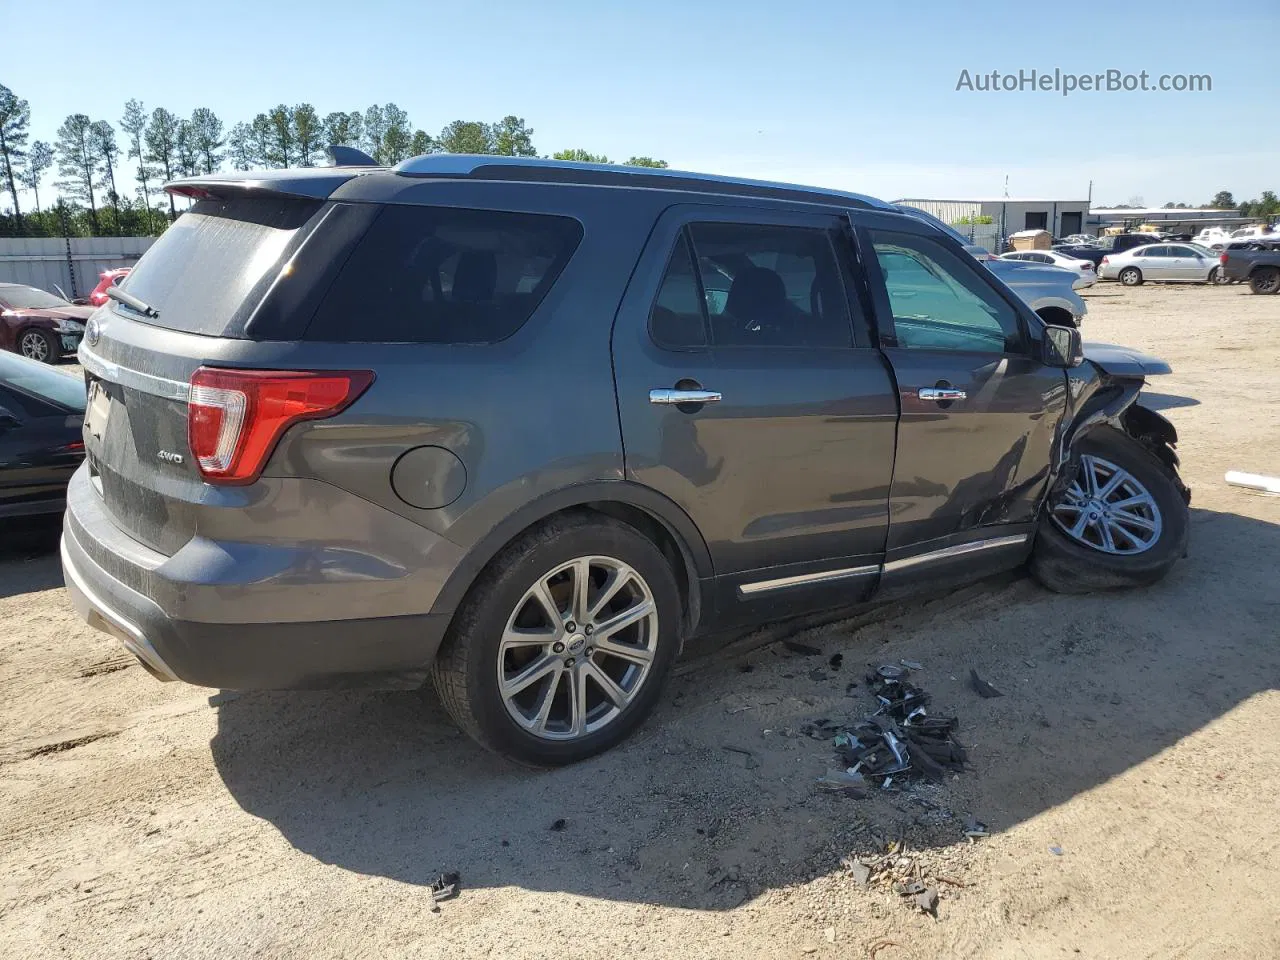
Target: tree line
[[91, 200]]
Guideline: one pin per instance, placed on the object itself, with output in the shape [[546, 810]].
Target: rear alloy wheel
[[1215, 275], [562, 647], [1265, 280], [578, 648], [1131, 276], [1123, 521], [38, 345]]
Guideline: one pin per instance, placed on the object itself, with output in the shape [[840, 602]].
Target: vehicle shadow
[[1167, 401], [29, 559], [715, 799]]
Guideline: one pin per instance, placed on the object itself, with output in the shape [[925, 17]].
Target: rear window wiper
[[132, 302]]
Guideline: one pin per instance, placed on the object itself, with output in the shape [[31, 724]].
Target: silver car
[[1185, 262]]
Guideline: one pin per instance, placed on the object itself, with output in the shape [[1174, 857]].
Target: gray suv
[[522, 427]]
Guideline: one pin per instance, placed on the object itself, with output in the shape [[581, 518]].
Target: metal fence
[[68, 264]]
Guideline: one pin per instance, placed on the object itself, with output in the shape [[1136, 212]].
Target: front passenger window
[[938, 300]]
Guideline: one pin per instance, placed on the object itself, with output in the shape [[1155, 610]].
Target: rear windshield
[[445, 275], [208, 270]]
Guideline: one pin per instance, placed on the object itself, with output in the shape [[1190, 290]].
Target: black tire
[[1265, 280], [1066, 566], [1130, 277], [465, 674], [31, 341], [1215, 276]]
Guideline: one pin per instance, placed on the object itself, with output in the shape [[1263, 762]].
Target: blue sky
[[859, 96]]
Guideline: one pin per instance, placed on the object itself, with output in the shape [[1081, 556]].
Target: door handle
[[941, 394], [669, 396]]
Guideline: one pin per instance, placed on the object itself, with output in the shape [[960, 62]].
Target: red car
[[38, 324], [108, 278]]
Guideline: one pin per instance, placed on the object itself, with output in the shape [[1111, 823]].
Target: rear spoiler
[[308, 183]]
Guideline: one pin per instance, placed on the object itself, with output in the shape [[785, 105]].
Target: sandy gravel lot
[[1139, 736]]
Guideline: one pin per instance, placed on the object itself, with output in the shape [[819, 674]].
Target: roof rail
[[488, 167]]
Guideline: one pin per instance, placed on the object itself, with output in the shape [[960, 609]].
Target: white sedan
[[1184, 262], [1052, 258]]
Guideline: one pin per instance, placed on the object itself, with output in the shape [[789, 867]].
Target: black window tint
[[939, 301], [677, 318], [444, 275], [771, 286]]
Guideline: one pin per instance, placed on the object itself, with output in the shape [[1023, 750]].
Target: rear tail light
[[236, 417], [1222, 258], [1105, 260]]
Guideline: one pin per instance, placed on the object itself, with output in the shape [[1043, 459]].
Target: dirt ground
[[1128, 775]]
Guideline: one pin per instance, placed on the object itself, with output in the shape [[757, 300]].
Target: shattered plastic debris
[[975, 828], [911, 664], [558, 824], [927, 900], [837, 659], [1056, 851], [981, 687], [445, 887], [849, 781], [899, 738]]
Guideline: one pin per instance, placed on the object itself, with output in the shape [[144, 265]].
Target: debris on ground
[[445, 887], [981, 687], [749, 757], [818, 674], [899, 739], [927, 900], [912, 664], [803, 649], [1056, 851], [559, 824], [975, 829], [837, 659], [1253, 481], [880, 945]]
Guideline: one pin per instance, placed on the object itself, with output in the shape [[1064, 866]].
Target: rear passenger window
[[752, 285], [444, 275]]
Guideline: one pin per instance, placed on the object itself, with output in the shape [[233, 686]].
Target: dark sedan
[[41, 416], [39, 325]]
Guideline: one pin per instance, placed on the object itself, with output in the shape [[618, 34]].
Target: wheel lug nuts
[[588, 629], [558, 647], [571, 626], [589, 651], [569, 662]]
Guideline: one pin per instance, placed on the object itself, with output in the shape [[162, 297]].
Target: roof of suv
[[319, 182]]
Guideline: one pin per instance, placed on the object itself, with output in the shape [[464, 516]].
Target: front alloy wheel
[[36, 345], [1108, 509], [578, 647]]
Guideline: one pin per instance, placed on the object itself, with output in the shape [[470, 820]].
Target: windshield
[[29, 298], [41, 380]]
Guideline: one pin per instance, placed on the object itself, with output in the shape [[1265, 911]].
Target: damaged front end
[[1106, 391]]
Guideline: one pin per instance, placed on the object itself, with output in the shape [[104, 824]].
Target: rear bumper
[[393, 652]]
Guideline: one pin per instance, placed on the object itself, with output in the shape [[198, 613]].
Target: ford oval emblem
[[93, 333]]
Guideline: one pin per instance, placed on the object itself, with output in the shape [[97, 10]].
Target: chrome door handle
[[669, 396], [940, 394]]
